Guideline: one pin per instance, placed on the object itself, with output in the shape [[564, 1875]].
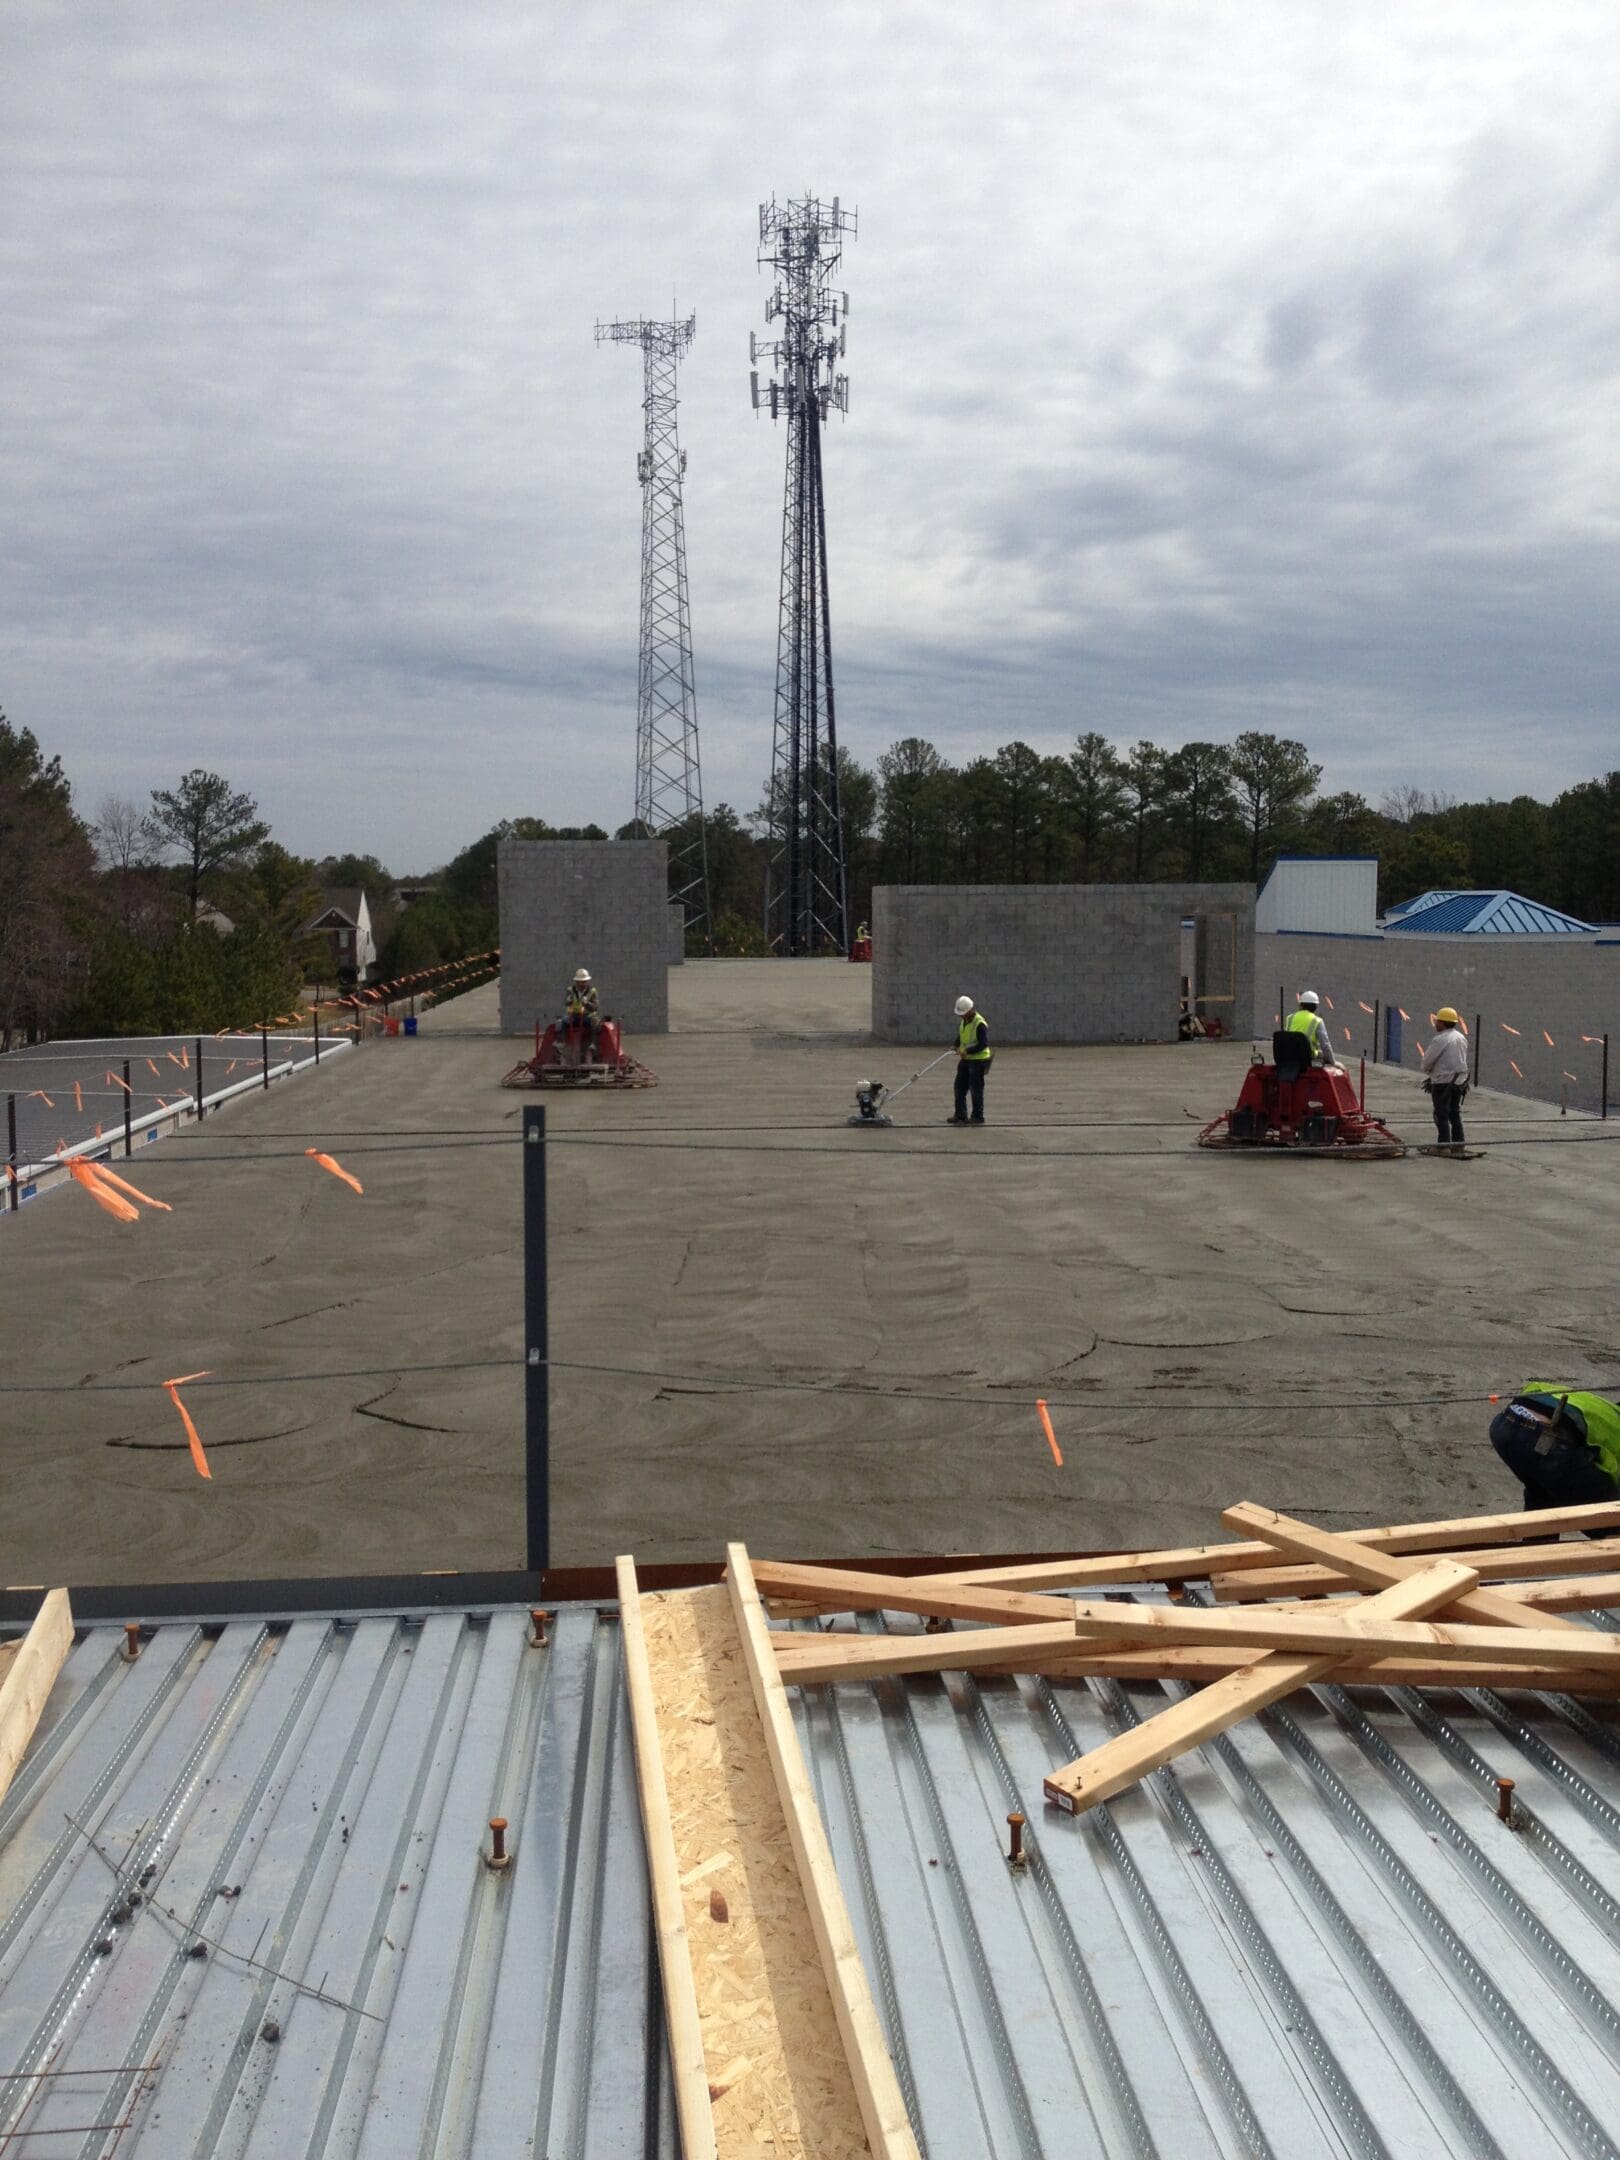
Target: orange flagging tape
[[1515, 1068], [1347, 1035], [1547, 1039], [1366, 1008], [1591, 1038], [1571, 1076], [152, 1066], [1506, 1030], [40, 1095], [134, 1191], [103, 1196], [1401, 1009], [192, 1439], [173, 1060], [78, 1098], [1327, 1001], [124, 1084], [1051, 1436], [326, 1162]]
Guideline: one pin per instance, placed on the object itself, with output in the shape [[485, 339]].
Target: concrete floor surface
[[1197, 1323]]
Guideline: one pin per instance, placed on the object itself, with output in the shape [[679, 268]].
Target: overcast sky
[[1211, 366]]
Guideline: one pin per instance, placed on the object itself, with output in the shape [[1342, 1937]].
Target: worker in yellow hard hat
[[1445, 1076]]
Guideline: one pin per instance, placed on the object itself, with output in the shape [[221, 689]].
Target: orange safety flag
[[1547, 1039], [153, 1069], [1347, 1035], [1366, 1008], [120, 1210], [1401, 1009], [1571, 1076], [173, 1060], [1515, 1068], [1051, 1436], [231, 1067], [185, 1058], [42, 1096], [1592, 1038], [78, 1098], [1506, 1030], [1327, 1001], [124, 1084], [98, 1128], [134, 1191], [336, 1168], [192, 1439]]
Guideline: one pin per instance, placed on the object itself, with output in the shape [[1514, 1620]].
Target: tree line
[[187, 914]]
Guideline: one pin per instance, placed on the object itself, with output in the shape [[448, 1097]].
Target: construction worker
[[1562, 1445], [973, 1055], [1445, 1076], [584, 1006], [1307, 1021]]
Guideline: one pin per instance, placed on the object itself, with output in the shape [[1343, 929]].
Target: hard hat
[[964, 1005], [1448, 1014], [582, 975], [1309, 997]]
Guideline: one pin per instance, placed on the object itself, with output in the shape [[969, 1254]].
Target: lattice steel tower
[[806, 908], [669, 785]]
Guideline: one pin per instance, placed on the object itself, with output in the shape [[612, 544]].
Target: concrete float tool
[[871, 1095], [564, 1057], [1291, 1107]]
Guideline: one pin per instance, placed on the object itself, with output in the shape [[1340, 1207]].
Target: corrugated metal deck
[[1313, 1937], [253, 1859]]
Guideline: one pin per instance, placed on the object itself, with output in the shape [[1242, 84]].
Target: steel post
[[129, 1112], [199, 1080], [536, 1346], [264, 1057], [1378, 1021], [1605, 1072], [11, 1151], [315, 1015]]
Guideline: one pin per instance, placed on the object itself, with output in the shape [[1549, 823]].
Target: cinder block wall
[[677, 933], [1568, 988], [601, 904], [1049, 963]]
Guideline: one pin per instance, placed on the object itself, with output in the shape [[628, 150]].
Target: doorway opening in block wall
[[1209, 946]]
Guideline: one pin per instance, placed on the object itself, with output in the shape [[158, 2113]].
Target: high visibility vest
[[582, 1004], [1305, 1022], [966, 1034], [1602, 1420]]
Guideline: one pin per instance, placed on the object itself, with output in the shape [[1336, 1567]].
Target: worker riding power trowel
[[871, 1096]]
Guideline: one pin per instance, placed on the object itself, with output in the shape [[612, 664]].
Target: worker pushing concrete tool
[[872, 1095], [973, 1055]]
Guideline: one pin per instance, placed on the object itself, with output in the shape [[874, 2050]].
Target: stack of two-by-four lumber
[[1410, 1605], [775, 2044]]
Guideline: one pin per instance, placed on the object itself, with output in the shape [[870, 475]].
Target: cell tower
[[806, 909], [669, 784]]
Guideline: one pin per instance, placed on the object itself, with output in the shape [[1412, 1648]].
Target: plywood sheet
[[778, 2076]]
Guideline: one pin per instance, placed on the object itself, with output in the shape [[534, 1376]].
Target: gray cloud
[[1248, 365]]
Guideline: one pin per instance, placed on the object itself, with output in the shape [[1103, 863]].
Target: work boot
[[956, 1121]]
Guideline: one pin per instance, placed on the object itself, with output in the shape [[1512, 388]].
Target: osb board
[[777, 2074]]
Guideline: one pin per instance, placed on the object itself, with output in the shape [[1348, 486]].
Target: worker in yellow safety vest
[[1561, 1443], [585, 1005], [1307, 1021], [973, 1055]]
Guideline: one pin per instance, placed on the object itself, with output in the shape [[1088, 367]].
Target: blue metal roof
[[1488, 914], [244, 1910]]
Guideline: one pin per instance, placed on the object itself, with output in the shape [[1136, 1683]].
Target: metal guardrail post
[[315, 1015], [11, 1147], [264, 1056], [129, 1112], [199, 1080], [536, 1346]]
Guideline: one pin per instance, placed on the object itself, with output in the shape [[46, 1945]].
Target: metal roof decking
[[1313, 1936]]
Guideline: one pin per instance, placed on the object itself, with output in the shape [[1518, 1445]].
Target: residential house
[[345, 923]]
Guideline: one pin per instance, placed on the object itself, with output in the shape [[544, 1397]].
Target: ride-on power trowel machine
[[1292, 1106]]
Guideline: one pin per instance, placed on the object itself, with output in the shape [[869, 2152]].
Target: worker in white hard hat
[[584, 1007], [973, 1054], [1307, 1021], [1445, 1077]]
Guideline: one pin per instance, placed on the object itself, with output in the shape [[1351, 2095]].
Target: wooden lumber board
[[1518, 1564], [1129, 1756], [779, 2084], [1303, 1541], [831, 1660], [883, 2109], [688, 2062], [26, 1685], [1303, 1628], [1558, 1593], [860, 1590], [1196, 1563]]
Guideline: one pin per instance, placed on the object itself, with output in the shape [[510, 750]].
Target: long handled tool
[[871, 1096]]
